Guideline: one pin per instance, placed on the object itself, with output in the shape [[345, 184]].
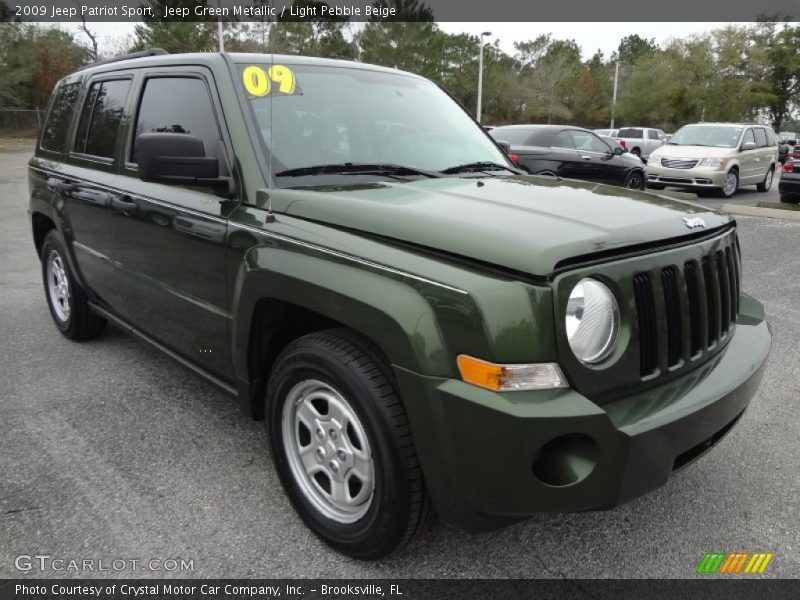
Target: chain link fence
[[16, 122]]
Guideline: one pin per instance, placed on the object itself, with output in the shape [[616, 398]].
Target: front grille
[[678, 163], [686, 310]]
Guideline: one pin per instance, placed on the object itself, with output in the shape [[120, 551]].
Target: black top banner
[[398, 10]]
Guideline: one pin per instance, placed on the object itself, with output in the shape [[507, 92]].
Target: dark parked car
[[424, 329], [572, 153], [789, 184]]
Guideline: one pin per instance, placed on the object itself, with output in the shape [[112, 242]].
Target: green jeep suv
[[424, 329]]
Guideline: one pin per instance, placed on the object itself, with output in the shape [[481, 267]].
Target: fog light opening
[[566, 460]]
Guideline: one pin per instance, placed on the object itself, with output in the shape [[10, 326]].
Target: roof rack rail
[[121, 57]]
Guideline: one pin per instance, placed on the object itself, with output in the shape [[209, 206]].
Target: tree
[[633, 48], [175, 36]]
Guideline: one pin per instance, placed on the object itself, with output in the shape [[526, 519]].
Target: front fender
[[394, 314]]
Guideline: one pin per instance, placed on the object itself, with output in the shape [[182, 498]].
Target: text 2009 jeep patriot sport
[[420, 325]]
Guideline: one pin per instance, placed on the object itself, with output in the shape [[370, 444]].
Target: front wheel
[[341, 444], [635, 180], [66, 299], [731, 184], [767, 183]]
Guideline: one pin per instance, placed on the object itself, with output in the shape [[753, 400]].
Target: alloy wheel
[[58, 286]]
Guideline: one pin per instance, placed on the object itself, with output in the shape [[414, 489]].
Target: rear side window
[[652, 134], [178, 105], [630, 132], [761, 137], [748, 137], [100, 118], [563, 140], [54, 133], [512, 136]]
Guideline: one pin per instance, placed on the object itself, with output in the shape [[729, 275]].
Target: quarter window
[[100, 118], [178, 105], [54, 133]]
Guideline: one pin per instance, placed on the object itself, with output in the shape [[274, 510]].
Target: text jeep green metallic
[[345, 250]]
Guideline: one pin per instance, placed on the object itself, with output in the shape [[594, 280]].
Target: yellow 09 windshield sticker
[[277, 79]]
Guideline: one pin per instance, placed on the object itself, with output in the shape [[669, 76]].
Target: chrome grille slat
[[679, 163]]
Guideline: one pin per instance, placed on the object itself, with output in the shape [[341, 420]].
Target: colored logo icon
[[735, 563]]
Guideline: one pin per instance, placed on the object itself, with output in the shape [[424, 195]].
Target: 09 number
[[259, 82]]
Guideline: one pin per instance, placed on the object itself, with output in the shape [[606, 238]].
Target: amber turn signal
[[509, 378]]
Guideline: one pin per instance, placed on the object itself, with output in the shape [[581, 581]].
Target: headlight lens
[[592, 321], [711, 162]]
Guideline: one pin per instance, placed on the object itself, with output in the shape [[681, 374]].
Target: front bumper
[[490, 459], [700, 177]]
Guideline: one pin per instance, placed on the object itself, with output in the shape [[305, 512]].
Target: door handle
[[59, 185], [586, 157], [124, 203]]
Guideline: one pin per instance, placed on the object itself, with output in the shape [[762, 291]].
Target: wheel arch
[[275, 305], [41, 224]]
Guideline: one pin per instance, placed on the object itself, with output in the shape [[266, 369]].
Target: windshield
[[320, 116], [723, 136]]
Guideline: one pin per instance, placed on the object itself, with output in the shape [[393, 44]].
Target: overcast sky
[[590, 36]]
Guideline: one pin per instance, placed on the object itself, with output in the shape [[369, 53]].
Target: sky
[[589, 36]]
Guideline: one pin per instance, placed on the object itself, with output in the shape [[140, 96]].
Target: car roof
[[542, 127], [156, 57]]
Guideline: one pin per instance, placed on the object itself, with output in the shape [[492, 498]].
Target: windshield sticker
[[277, 79]]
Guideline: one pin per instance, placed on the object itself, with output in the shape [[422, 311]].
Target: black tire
[[77, 322], [636, 152], [656, 186], [399, 507], [634, 180], [767, 182], [787, 199]]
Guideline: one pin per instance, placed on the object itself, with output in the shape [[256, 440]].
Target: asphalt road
[[108, 450]]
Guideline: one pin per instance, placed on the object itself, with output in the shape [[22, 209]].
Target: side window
[[589, 142], [761, 137], [54, 133], [660, 134], [652, 134], [563, 140], [100, 118], [178, 105], [748, 137]]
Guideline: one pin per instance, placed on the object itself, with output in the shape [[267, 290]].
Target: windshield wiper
[[478, 166], [356, 169]]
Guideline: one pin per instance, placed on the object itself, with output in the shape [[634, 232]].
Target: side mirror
[[749, 146], [617, 151], [176, 158], [504, 146]]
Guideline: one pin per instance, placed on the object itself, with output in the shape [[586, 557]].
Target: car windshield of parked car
[[324, 122], [723, 136]]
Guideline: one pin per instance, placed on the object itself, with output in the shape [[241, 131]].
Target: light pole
[[614, 100], [480, 75]]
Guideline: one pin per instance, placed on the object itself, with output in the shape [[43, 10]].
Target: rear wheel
[[342, 446], [66, 299], [767, 183], [636, 152]]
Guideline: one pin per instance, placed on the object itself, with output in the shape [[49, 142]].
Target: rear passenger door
[[749, 159], [88, 176], [169, 240]]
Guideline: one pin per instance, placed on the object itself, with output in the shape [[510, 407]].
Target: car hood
[[524, 223], [668, 151]]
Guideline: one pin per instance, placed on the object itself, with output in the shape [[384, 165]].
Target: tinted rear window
[[512, 136], [56, 128], [100, 118], [630, 133]]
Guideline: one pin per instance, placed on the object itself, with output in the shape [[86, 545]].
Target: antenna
[[270, 216]]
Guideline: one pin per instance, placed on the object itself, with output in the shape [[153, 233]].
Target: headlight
[[655, 160], [711, 162], [592, 321]]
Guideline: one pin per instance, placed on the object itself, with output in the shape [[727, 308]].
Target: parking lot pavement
[[108, 450]]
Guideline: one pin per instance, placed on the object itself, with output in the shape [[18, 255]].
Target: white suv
[[715, 156]]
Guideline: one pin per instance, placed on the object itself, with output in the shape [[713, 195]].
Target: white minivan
[[720, 157]]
